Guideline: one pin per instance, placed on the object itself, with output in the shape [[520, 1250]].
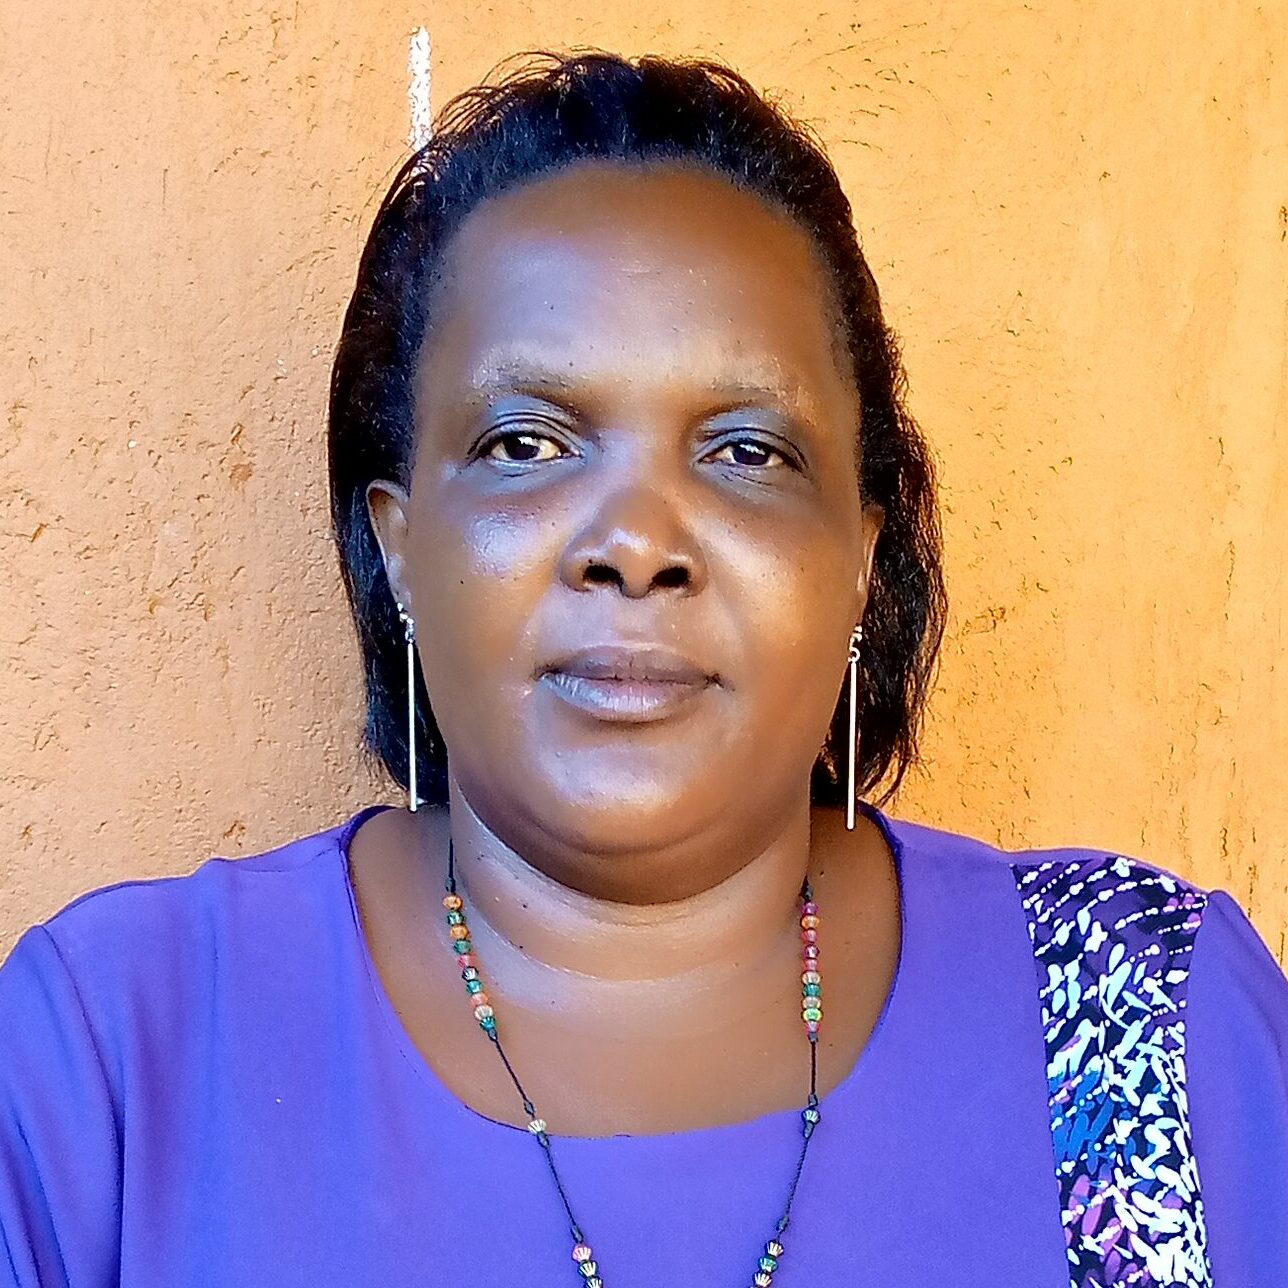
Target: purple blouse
[[1080, 1077]]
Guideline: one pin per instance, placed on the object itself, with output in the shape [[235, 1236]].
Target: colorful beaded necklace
[[811, 1014]]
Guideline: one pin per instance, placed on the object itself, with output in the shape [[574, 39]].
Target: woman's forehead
[[686, 226], [638, 276]]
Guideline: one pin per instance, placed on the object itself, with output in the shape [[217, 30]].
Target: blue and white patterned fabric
[[1112, 939]]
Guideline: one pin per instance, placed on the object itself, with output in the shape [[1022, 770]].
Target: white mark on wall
[[418, 69]]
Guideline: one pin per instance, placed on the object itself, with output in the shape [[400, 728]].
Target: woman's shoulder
[[146, 907], [134, 1001], [153, 944], [1070, 891], [1164, 1018], [967, 849], [1115, 909], [1101, 922]]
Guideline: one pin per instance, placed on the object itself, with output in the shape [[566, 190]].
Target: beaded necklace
[[811, 1015]]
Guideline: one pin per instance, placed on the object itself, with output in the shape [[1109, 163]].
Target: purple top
[[202, 1081]]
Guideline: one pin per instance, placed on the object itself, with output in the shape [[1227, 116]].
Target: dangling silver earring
[[856, 638], [409, 632]]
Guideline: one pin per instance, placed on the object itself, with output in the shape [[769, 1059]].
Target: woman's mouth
[[622, 700]]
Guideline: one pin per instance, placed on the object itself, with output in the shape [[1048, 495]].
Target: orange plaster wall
[[1079, 216]]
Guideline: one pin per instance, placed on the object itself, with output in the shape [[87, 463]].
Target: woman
[[631, 992]]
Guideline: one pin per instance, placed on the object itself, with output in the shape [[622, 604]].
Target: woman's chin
[[618, 803]]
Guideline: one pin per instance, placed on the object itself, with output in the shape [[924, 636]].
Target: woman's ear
[[387, 510], [873, 519]]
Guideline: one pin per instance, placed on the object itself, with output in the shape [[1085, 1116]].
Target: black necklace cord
[[583, 1256]]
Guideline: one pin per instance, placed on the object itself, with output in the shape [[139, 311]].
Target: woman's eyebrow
[[515, 376], [521, 376]]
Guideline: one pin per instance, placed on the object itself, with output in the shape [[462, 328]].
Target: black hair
[[553, 112]]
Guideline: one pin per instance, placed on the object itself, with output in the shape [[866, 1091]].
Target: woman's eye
[[528, 453], [754, 452], [522, 447]]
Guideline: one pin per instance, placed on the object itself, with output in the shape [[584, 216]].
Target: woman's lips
[[625, 701]]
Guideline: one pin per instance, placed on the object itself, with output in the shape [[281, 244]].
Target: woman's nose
[[636, 541]]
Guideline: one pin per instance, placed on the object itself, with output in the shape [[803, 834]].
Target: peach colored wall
[[1078, 212]]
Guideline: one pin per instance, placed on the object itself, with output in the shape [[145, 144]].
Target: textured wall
[[1079, 216]]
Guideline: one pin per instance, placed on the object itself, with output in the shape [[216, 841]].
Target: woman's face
[[635, 430]]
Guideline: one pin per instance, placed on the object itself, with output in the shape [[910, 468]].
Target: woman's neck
[[559, 927]]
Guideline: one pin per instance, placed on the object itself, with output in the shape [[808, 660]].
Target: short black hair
[[552, 112]]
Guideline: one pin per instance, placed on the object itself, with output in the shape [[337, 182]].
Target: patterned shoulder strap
[[1112, 941]]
